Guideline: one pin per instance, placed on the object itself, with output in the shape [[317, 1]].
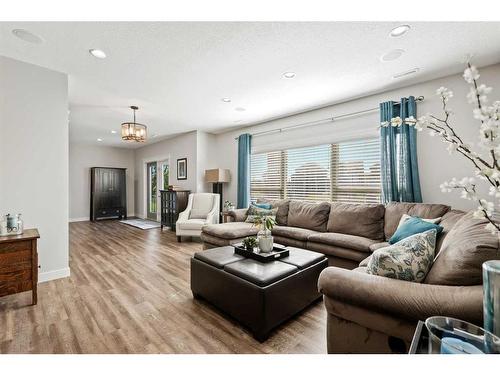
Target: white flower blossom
[[471, 74], [452, 148], [444, 93], [495, 192], [478, 213], [487, 206]]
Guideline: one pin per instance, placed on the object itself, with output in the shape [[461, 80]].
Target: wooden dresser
[[19, 264]]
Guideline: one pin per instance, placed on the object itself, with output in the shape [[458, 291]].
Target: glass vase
[[265, 240], [491, 297]]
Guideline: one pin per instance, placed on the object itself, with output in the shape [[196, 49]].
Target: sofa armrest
[[402, 298], [239, 214]]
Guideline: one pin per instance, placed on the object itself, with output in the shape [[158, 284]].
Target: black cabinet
[[108, 193], [173, 202]]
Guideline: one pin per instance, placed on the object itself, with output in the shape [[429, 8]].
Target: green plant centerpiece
[[249, 243], [264, 237]]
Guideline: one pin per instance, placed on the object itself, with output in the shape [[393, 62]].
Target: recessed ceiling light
[[226, 100], [99, 139], [400, 30], [97, 53], [289, 74], [392, 55], [113, 131], [404, 74], [27, 36], [240, 109]]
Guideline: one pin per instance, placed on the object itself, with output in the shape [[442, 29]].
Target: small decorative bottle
[[11, 223], [20, 224]]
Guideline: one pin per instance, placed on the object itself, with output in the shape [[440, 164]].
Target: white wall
[[34, 157], [435, 164], [206, 159], [182, 146], [81, 158]]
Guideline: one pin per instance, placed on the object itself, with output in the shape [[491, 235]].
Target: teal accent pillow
[[413, 226], [265, 206]]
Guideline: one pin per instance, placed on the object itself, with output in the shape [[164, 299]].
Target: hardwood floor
[[129, 293]]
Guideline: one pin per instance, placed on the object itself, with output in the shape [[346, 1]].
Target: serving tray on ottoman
[[279, 251], [259, 295]]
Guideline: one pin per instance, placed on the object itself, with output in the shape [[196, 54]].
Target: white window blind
[[343, 172], [266, 176], [308, 173], [356, 171]]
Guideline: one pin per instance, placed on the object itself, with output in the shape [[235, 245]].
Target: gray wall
[[81, 158], [34, 155]]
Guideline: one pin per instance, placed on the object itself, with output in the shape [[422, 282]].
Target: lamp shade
[[217, 175]]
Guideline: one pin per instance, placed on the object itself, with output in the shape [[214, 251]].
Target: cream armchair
[[202, 209]]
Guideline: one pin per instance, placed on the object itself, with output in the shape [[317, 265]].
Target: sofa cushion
[[309, 215], [287, 241], [338, 252], [230, 230], [282, 205], [300, 234], [410, 259], [379, 245], [343, 240], [212, 241], [395, 210], [448, 221], [466, 247], [365, 220]]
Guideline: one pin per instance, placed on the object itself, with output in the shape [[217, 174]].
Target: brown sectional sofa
[[368, 313], [345, 233]]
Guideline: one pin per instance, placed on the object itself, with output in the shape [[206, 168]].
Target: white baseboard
[[52, 275], [75, 219]]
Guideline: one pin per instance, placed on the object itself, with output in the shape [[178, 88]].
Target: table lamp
[[217, 177]]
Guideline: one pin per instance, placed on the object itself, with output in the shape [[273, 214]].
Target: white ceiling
[[177, 72]]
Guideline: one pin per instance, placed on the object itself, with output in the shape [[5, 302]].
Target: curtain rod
[[322, 121]]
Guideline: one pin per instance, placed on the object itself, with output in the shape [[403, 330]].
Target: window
[[266, 180], [341, 172]]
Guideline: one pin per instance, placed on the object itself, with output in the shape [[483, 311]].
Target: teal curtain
[[399, 164], [244, 151]]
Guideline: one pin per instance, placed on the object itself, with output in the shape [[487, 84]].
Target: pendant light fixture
[[133, 131]]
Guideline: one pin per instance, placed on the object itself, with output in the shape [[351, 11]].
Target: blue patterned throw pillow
[[409, 259], [413, 226], [253, 212]]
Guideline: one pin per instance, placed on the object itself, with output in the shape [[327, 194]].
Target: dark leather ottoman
[[258, 295]]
